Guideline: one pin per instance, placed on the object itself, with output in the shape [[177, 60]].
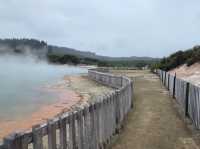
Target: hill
[[69, 51], [63, 55], [188, 57]]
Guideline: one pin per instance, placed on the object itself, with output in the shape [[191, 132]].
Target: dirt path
[[154, 123]]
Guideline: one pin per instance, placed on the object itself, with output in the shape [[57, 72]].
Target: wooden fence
[[91, 126], [186, 94]]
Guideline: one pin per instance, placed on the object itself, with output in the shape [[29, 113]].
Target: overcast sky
[[108, 27]]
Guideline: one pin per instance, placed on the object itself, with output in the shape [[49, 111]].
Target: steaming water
[[21, 80]]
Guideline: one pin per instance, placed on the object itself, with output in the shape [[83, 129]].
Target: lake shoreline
[[66, 99], [75, 90]]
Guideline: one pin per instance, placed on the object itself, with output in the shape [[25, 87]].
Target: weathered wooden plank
[[118, 111], [195, 106], [80, 129], [51, 134], [37, 137], [106, 120], [187, 99], [67, 116], [97, 113], [74, 143], [72, 131], [95, 124], [9, 141], [180, 93], [171, 85], [174, 86], [165, 77], [86, 127], [131, 95], [168, 84], [101, 123], [16, 141], [70, 145], [114, 113], [63, 133], [110, 116], [92, 130]]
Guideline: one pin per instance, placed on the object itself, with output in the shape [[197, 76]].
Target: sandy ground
[[72, 90], [191, 74], [154, 123]]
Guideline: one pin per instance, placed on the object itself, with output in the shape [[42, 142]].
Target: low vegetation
[[188, 57], [71, 59], [131, 63], [64, 55], [21, 45]]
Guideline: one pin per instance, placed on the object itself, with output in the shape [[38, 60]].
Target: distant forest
[[14, 43], [176, 59], [64, 55]]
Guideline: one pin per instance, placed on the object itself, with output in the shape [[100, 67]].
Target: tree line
[[71, 59], [178, 58], [13, 43], [19, 46]]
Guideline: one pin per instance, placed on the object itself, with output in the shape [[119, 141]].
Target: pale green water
[[21, 81]]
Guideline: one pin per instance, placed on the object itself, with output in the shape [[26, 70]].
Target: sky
[[115, 28]]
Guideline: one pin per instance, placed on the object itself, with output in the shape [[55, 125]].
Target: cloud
[[108, 27]]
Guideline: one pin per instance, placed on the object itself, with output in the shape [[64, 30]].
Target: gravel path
[[154, 123]]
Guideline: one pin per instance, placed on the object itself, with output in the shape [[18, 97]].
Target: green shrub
[[176, 59]]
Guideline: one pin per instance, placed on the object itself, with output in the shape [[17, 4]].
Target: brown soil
[[154, 123], [191, 73]]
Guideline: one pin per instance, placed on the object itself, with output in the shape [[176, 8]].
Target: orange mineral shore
[[66, 99]]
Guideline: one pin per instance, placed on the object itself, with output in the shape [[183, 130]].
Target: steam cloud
[[21, 76]]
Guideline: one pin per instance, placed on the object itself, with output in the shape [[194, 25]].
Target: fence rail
[[85, 127], [186, 94]]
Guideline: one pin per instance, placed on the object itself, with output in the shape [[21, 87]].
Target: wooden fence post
[[95, 125], [104, 121], [86, 127], [15, 141], [70, 136], [63, 133], [108, 119], [111, 115], [51, 134], [132, 89], [168, 81], [187, 99], [100, 122], [121, 81], [92, 130], [165, 78], [117, 112], [37, 137], [97, 119], [114, 114], [73, 124], [174, 86], [80, 129]]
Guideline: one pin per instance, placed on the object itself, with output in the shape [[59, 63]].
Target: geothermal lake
[[23, 83]]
